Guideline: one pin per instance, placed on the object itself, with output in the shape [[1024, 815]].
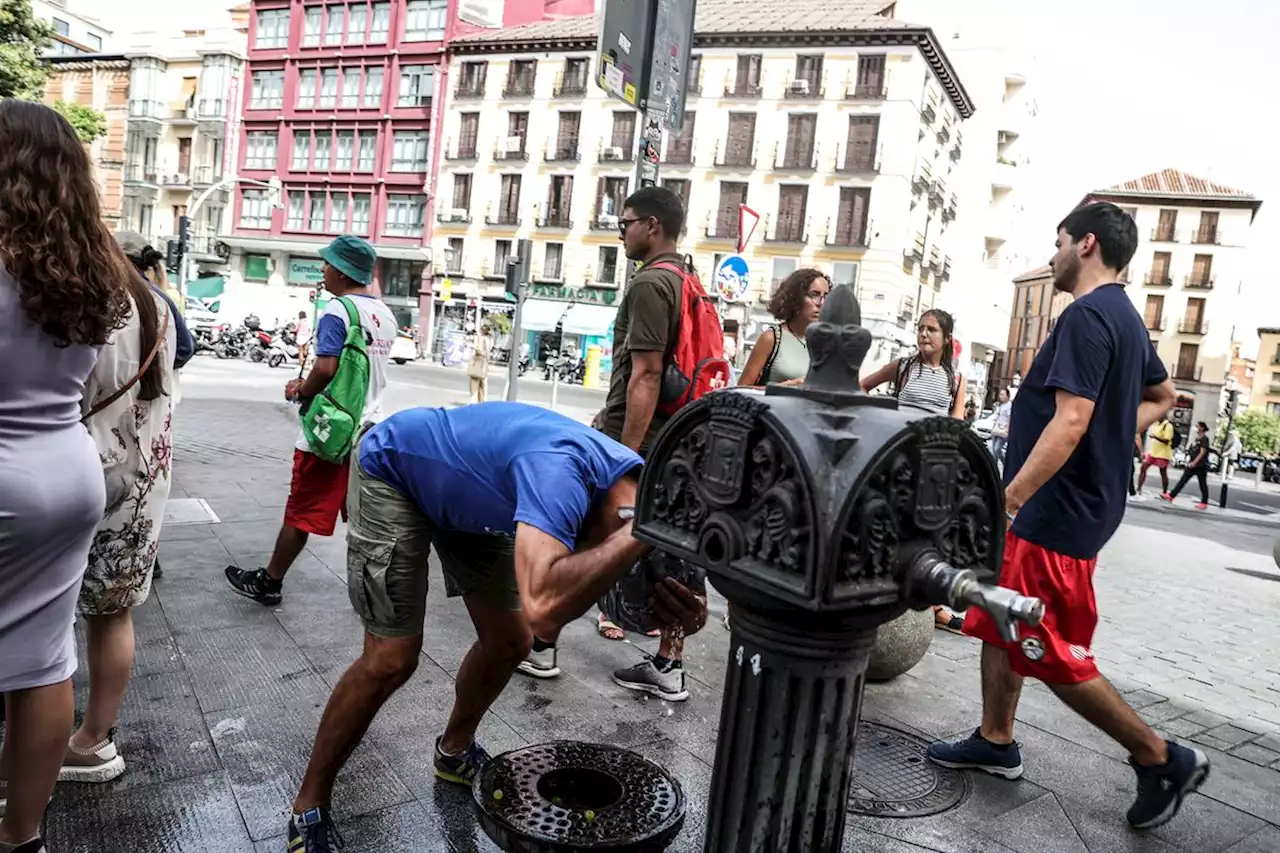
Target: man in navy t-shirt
[[529, 514], [1095, 383]]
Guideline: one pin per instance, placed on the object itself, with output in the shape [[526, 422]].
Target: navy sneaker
[[1162, 789], [256, 584], [977, 753], [462, 768], [313, 832]]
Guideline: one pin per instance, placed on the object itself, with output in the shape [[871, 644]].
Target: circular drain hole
[[580, 788], [892, 778]]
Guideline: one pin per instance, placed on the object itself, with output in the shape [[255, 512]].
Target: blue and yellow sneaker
[[313, 832], [462, 768]]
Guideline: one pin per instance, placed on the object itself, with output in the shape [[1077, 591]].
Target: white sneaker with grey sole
[[644, 677], [540, 664], [100, 763]]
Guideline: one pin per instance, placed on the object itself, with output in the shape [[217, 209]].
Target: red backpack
[[696, 365]]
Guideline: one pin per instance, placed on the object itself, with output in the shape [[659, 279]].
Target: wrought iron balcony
[[805, 88], [464, 149], [734, 157], [562, 151], [616, 154], [1193, 326], [871, 90], [504, 218], [793, 160], [1159, 279], [733, 88], [847, 233], [857, 161], [555, 219], [570, 86], [1164, 235], [1198, 282], [787, 229]]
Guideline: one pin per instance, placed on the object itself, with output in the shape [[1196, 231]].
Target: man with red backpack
[[668, 350]]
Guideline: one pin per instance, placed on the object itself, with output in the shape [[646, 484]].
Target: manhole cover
[[568, 796], [892, 777], [179, 511]]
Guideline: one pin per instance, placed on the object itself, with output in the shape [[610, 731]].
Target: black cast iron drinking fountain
[[820, 513]]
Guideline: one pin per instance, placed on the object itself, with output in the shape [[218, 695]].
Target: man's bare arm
[[325, 368], [642, 396], [1156, 400], [1052, 449], [557, 585]]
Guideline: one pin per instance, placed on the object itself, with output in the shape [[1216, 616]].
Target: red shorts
[[317, 494], [1162, 464], [1058, 650]]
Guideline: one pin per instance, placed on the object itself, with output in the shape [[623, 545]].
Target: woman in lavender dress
[[63, 290]]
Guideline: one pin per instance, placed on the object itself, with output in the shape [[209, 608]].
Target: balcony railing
[[616, 154], [145, 173], [212, 109], [176, 180], [1155, 324], [694, 86], [805, 88], [1198, 282], [142, 108], [789, 229], [562, 151], [504, 151], [846, 233], [469, 91], [1188, 372], [456, 214], [944, 134], [555, 219], [793, 160], [733, 88], [928, 113], [504, 218], [1206, 237], [571, 86], [679, 155], [1193, 326], [870, 90], [518, 88], [857, 161], [1159, 279], [741, 157], [1164, 235], [464, 149], [724, 227], [205, 175], [604, 222]]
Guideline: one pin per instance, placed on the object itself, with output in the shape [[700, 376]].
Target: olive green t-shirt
[[646, 319]]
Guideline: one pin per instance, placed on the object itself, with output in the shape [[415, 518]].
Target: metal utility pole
[[645, 47], [184, 226], [1233, 397], [517, 288]]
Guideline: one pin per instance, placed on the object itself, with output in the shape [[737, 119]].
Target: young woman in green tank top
[[781, 354]]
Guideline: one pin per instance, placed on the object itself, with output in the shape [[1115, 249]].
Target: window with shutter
[[1208, 230], [860, 153], [679, 186], [567, 135], [1166, 226], [680, 146], [1188, 354], [747, 79], [462, 192], [468, 133], [800, 141], [851, 217], [1159, 268], [1201, 271], [870, 81], [509, 210], [517, 128], [1154, 314], [624, 130], [741, 141], [732, 196], [558, 201], [792, 201]]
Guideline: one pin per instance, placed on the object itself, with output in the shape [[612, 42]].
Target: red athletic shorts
[[1156, 461], [1059, 650], [317, 494]]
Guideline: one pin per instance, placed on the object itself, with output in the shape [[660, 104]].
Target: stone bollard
[[820, 513]]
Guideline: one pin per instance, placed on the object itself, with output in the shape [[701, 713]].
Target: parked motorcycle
[[282, 352], [231, 343], [204, 339], [259, 343]]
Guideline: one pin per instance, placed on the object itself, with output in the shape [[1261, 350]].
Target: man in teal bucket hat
[[318, 490]]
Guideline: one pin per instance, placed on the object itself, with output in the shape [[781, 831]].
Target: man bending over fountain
[[529, 514]]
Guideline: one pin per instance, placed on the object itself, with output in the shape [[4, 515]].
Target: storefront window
[[257, 267], [401, 278]]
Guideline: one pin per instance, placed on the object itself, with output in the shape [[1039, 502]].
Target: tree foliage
[[1259, 431], [23, 40], [87, 122]]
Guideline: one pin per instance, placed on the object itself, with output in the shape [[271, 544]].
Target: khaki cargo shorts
[[388, 543]]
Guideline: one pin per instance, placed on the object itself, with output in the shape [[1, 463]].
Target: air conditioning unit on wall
[[800, 87], [515, 144]]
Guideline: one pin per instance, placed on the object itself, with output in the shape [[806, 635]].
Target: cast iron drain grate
[[892, 777]]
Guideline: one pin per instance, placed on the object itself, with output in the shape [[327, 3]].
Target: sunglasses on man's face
[[624, 224]]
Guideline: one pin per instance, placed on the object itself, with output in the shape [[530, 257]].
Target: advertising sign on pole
[[732, 278]]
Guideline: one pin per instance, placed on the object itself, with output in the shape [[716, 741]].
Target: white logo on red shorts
[[1032, 649], [1080, 652]]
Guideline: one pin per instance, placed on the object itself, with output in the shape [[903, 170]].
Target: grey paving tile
[[462, 832], [1104, 830], [207, 603], [926, 706], [1039, 707], [1161, 712], [1139, 699], [249, 666], [265, 749], [243, 538], [1182, 727], [1208, 719], [1255, 754], [1265, 840], [563, 708], [1248, 787], [161, 735], [940, 833], [859, 840], [1040, 825], [195, 815], [407, 828], [694, 777], [990, 798], [1269, 741]]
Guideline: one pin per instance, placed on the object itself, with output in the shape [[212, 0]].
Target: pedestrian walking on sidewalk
[[128, 405], [529, 514], [302, 337], [318, 489], [781, 353], [928, 380], [1159, 453], [1000, 425], [64, 289], [478, 369], [1231, 450], [1096, 381], [1198, 467]]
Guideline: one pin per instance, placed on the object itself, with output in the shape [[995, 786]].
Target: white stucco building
[[845, 142], [76, 30]]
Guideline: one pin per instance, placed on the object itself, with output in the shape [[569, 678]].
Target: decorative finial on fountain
[[837, 344]]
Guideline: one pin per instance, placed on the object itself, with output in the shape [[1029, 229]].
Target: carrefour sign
[[305, 271]]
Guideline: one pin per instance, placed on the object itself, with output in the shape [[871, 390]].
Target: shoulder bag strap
[[773, 355], [146, 363]]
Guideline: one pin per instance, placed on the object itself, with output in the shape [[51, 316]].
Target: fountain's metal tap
[[931, 579]]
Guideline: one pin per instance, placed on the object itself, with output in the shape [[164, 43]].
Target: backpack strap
[[773, 356], [900, 376], [353, 318], [673, 334]]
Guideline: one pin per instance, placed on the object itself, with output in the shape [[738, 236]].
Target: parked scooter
[[231, 343], [282, 352]]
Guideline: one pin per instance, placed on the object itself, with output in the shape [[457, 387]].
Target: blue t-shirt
[[483, 468], [1099, 350]]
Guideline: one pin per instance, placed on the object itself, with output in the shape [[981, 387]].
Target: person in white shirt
[[1000, 427], [302, 336], [317, 493]]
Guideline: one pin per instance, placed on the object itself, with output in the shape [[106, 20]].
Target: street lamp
[[276, 199]]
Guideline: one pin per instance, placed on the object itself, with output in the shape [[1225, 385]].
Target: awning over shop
[[542, 315], [210, 287], [592, 320]]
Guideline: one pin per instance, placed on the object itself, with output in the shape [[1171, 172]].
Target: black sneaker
[[256, 584], [461, 769], [35, 845], [1162, 789], [977, 753], [157, 572], [313, 832]]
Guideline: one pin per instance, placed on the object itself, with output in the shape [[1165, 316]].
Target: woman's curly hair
[[73, 280], [790, 294]]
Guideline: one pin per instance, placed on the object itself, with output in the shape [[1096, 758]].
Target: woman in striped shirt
[[928, 380]]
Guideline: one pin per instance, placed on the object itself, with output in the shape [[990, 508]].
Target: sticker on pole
[[747, 221], [732, 278]]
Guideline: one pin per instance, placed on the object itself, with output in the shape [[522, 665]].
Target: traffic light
[[312, 297], [172, 256]]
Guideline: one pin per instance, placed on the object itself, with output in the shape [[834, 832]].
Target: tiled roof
[[1035, 274], [1173, 182], [719, 17]]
